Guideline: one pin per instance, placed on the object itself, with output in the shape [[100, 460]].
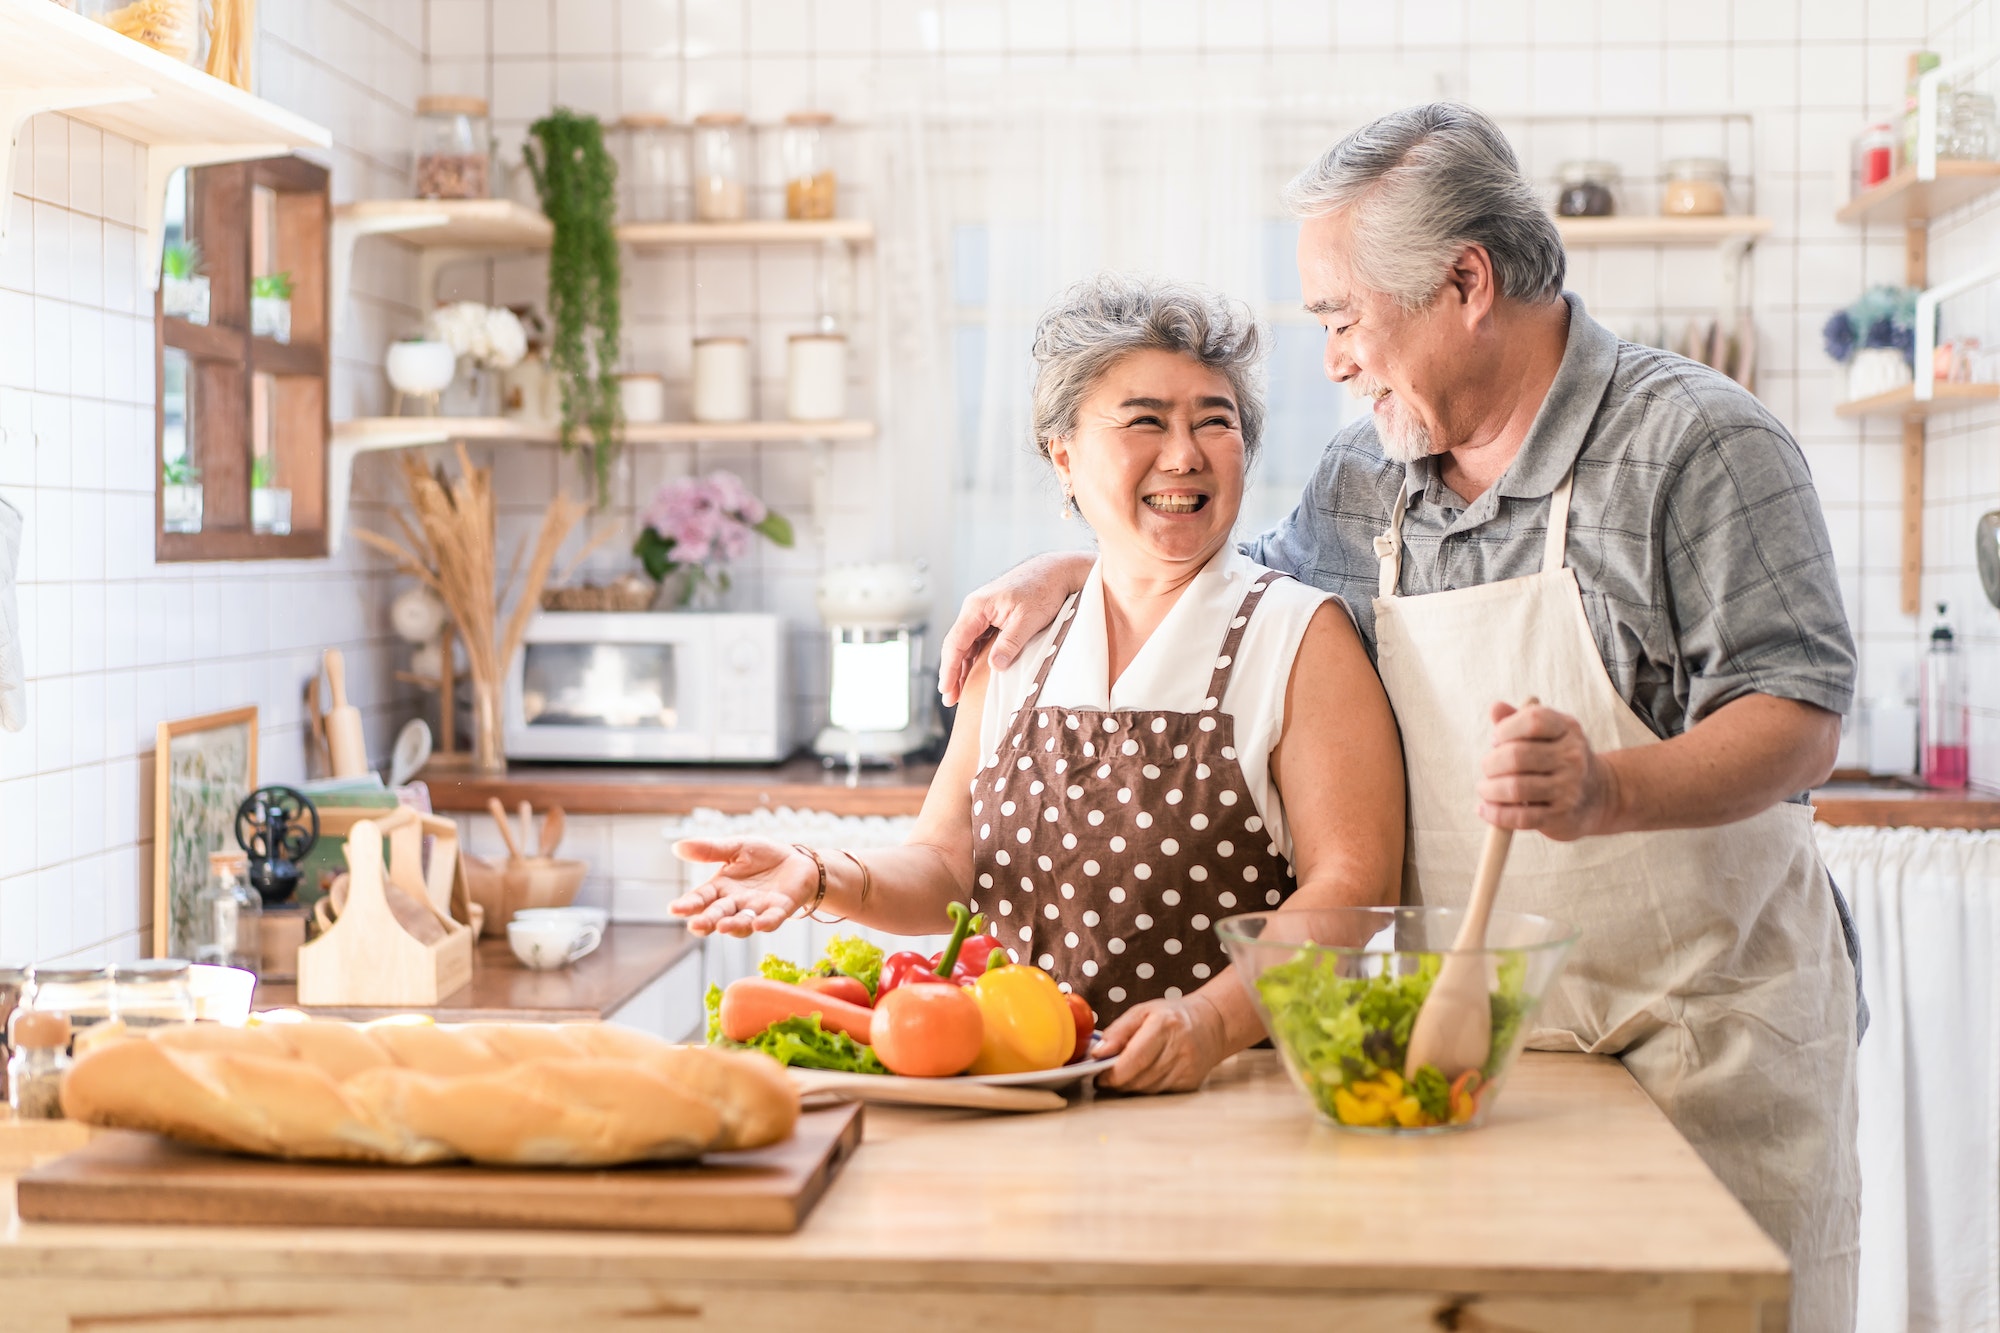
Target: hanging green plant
[[578, 184]]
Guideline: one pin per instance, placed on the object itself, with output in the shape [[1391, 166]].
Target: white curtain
[[1925, 906]]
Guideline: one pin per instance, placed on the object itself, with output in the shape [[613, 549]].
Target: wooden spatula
[[552, 830], [1454, 1029], [499, 813]]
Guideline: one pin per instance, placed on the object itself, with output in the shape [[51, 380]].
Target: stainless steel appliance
[[650, 687], [878, 691]]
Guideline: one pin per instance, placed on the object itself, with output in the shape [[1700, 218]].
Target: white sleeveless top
[[1171, 671]]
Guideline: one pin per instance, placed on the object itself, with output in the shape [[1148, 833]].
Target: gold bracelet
[[867, 878], [820, 866]]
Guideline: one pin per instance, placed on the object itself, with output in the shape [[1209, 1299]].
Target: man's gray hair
[[1424, 183], [1102, 319]]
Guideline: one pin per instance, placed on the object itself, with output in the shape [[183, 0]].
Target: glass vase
[[489, 751]]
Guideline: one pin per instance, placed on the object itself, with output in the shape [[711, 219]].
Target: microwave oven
[[650, 687]]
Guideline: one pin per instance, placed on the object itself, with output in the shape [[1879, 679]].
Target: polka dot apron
[[1106, 844]]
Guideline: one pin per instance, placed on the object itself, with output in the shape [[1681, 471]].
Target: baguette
[[413, 1092]]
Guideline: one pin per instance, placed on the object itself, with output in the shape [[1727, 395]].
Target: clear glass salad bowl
[[1339, 990]]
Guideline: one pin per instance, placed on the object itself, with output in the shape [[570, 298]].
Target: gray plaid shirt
[[1694, 531]]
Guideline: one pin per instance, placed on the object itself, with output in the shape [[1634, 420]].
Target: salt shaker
[[35, 1070]]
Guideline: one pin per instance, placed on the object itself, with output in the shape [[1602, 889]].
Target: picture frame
[[203, 768]]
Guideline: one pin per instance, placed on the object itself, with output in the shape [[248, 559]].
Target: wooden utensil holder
[[366, 957]]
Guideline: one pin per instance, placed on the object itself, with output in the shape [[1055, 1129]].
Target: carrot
[[754, 1003]]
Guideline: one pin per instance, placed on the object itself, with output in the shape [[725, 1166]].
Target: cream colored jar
[[722, 379], [1696, 187], [816, 377]]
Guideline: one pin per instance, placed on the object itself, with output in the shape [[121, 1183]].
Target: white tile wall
[[116, 643], [1808, 74], [1962, 457]]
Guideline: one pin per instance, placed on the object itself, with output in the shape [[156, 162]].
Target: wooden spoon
[[1454, 1029], [500, 817], [552, 830], [527, 827]]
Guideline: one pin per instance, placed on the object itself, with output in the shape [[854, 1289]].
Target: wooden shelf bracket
[[18, 104]]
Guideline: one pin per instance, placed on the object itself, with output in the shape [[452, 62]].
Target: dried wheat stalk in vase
[[450, 547]]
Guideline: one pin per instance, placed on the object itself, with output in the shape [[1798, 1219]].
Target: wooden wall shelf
[[54, 60], [373, 434], [1577, 232], [1903, 404], [1905, 199]]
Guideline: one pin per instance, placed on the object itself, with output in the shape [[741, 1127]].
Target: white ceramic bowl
[[596, 916], [552, 943], [420, 367]]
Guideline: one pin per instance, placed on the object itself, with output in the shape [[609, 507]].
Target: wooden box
[[367, 957]]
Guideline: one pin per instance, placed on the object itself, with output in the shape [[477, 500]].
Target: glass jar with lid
[[808, 159], [1972, 130], [171, 27], [83, 994], [152, 993], [721, 154], [652, 168], [1696, 187], [452, 147], [228, 915], [1588, 189]]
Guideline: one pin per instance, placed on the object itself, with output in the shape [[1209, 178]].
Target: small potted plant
[[1876, 339], [180, 495], [486, 338], [183, 286], [693, 528], [420, 368], [270, 506], [271, 306]]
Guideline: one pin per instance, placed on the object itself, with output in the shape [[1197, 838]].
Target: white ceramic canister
[[722, 379], [643, 398], [816, 377]]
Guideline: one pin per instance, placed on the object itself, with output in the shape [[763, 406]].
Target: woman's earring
[[1068, 506]]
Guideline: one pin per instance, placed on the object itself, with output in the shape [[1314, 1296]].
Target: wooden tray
[[131, 1177]]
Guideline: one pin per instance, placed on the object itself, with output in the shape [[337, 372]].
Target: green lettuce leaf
[[780, 969], [852, 956]]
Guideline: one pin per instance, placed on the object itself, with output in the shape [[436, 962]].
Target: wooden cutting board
[[131, 1177]]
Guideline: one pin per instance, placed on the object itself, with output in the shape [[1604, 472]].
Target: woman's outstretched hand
[[1163, 1045], [1013, 608], [760, 885]]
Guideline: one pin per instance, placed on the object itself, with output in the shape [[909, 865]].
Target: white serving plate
[[1031, 1091]]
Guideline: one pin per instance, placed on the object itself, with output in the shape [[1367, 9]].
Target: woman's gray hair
[[1423, 183], [1100, 320]]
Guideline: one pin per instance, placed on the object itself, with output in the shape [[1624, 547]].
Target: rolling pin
[[346, 746]]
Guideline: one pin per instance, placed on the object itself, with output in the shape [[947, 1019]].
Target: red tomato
[[1086, 1023], [841, 988], [927, 1031]]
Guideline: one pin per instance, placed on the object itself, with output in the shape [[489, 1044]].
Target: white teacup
[[545, 944]]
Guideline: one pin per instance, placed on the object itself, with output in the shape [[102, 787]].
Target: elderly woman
[[1194, 736]]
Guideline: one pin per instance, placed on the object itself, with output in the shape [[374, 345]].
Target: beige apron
[[1710, 960]]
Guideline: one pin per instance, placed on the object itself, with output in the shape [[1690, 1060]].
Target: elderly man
[[1539, 510]]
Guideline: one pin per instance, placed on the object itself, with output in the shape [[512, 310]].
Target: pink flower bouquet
[[699, 524]]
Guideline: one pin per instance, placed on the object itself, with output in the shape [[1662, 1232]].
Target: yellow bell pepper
[[1028, 1021], [1353, 1110], [1409, 1113]]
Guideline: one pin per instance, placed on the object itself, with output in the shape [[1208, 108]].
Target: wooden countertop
[[649, 789], [631, 958], [1882, 804], [1578, 1207]]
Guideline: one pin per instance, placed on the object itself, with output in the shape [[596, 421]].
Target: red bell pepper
[[900, 969], [952, 965], [973, 959]]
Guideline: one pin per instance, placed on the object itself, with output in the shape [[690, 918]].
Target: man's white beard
[[1403, 441]]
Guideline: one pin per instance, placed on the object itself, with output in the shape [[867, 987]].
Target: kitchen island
[[1578, 1208]]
